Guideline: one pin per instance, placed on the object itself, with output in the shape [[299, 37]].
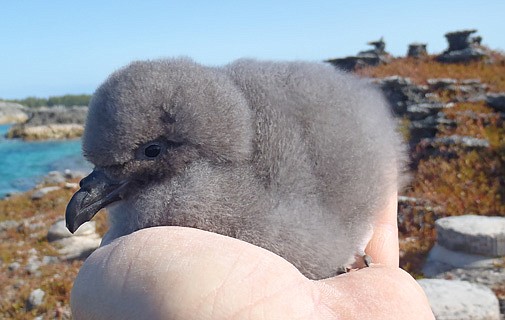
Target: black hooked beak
[[97, 191]]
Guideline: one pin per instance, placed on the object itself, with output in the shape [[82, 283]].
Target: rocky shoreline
[[44, 123]]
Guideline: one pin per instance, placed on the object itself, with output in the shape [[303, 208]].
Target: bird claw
[[367, 262]]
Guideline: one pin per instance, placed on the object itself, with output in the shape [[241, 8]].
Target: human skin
[[184, 273]]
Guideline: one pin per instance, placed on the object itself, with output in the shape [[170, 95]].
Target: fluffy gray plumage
[[293, 157]]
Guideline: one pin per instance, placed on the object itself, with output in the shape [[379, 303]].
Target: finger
[[383, 247], [183, 273], [378, 292]]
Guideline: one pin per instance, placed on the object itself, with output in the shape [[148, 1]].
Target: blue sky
[[56, 47]]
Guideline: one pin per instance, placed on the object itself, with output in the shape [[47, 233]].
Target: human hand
[[184, 273]]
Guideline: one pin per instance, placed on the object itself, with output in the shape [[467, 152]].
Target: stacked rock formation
[[462, 48], [417, 50], [371, 57]]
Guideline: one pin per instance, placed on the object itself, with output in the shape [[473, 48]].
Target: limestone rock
[[46, 132], [77, 247], [51, 123], [417, 50], [35, 299], [12, 113], [74, 246], [14, 266], [472, 234], [371, 57], [441, 83], [441, 260], [464, 141], [401, 92], [8, 224], [491, 277], [71, 185], [453, 299], [57, 115], [40, 193], [54, 177], [59, 230], [423, 110], [461, 47], [496, 101], [423, 129]]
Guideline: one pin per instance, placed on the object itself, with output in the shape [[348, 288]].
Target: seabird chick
[[294, 157]]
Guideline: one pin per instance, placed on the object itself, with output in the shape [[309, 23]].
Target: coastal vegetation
[[67, 100]]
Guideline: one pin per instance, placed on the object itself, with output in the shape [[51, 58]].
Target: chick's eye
[[152, 151]]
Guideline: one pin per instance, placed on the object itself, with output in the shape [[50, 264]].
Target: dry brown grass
[[419, 70]]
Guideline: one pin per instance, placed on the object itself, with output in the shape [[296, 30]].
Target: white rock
[[49, 260], [33, 264], [77, 247], [472, 234], [71, 185], [54, 177], [453, 299], [43, 191], [441, 259], [35, 299], [7, 224], [59, 230], [74, 246], [12, 112], [14, 266]]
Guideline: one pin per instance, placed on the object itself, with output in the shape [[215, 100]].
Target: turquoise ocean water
[[23, 164]]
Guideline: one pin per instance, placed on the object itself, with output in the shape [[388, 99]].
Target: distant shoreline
[[23, 164]]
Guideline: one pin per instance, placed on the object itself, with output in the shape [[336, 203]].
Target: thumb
[[383, 247]]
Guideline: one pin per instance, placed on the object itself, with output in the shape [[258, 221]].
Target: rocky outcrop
[[462, 48], [371, 57], [42, 192], [496, 101], [35, 299], [417, 104], [46, 132], [12, 113], [74, 246], [473, 234], [402, 92], [51, 123], [57, 115], [469, 249], [465, 90], [460, 300], [462, 141], [417, 50]]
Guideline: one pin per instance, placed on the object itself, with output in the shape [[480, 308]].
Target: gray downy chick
[[295, 157]]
